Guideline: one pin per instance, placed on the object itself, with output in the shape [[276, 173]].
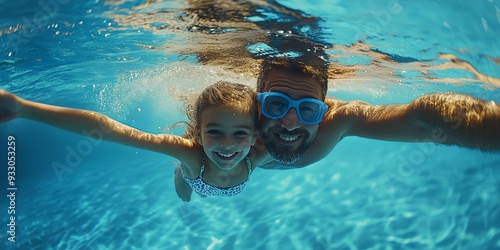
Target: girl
[[215, 152]]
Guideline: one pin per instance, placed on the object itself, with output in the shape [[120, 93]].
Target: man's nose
[[291, 120]]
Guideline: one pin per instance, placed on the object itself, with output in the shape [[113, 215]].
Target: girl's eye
[[213, 132], [241, 133]]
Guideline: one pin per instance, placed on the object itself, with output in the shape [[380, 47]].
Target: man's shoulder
[[341, 114], [336, 107], [333, 102]]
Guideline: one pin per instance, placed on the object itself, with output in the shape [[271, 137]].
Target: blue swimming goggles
[[275, 105]]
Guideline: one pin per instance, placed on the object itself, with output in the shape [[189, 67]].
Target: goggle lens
[[276, 105]]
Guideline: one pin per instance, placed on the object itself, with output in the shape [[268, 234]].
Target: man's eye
[[306, 109], [278, 106]]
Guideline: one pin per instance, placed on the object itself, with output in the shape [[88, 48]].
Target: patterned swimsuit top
[[204, 188]]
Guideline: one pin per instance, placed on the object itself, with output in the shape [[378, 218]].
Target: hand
[[10, 106]]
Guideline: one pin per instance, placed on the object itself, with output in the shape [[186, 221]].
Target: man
[[449, 119], [297, 131]]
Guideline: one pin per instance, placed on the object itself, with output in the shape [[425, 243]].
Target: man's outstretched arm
[[451, 119]]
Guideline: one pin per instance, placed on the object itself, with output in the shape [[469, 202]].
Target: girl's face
[[227, 136]]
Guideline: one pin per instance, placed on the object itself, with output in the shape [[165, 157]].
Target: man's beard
[[284, 154]]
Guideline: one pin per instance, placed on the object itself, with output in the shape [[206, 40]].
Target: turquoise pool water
[[128, 60]]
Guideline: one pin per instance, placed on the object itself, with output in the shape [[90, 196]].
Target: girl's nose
[[227, 142]]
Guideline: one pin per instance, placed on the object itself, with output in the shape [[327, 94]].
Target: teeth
[[288, 137], [226, 155]]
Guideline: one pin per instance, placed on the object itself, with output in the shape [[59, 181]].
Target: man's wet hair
[[316, 69]]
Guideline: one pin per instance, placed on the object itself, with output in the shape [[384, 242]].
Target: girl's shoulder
[[192, 164]]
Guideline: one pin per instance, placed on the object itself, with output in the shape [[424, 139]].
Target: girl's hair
[[221, 94]]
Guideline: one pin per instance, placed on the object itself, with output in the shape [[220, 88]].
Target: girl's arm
[[95, 125]]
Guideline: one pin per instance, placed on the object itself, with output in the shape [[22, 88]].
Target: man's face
[[287, 138]]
